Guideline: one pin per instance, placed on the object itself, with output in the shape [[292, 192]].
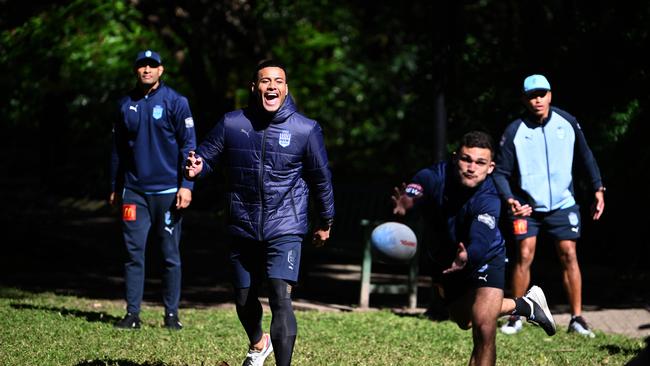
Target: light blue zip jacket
[[535, 161]]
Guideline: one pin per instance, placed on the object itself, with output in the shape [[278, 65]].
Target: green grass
[[48, 329]]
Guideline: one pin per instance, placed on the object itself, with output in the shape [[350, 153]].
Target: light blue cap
[[536, 82]]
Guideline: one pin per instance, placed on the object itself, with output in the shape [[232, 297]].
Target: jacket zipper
[[548, 170], [261, 187]]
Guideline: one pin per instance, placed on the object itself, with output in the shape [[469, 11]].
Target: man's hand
[[320, 237], [518, 209], [401, 202], [460, 261], [183, 198], [113, 200], [193, 165], [599, 205]]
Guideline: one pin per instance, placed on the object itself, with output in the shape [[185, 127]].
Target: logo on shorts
[[291, 258], [157, 111], [573, 219], [128, 212], [285, 138], [520, 226], [482, 270], [488, 220]]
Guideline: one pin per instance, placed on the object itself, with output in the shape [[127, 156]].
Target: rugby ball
[[394, 241]]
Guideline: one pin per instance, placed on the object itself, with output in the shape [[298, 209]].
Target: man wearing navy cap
[[534, 175], [151, 137]]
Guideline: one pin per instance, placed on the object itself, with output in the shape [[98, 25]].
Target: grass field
[[48, 329]]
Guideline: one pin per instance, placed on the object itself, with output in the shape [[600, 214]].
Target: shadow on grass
[[119, 362], [643, 358], [615, 350], [122, 362], [90, 316]]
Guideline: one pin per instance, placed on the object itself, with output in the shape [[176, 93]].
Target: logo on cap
[[536, 82]]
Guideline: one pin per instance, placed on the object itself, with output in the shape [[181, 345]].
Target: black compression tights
[[283, 320]]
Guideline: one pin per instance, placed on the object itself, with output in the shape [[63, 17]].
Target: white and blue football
[[394, 241]]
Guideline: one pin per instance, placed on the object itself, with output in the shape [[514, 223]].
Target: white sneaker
[[256, 358], [512, 326], [579, 325], [540, 314]]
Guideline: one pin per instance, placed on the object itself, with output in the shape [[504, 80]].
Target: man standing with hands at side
[[274, 158], [534, 176], [153, 134]]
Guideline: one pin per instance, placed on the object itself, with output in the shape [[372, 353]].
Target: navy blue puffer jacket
[[272, 163]]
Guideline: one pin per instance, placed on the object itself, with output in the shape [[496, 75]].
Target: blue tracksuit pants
[[155, 214]]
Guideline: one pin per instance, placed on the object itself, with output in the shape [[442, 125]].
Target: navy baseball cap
[[148, 55], [536, 82]]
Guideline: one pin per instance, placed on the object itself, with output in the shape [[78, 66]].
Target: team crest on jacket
[[488, 220], [157, 111], [285, 138]]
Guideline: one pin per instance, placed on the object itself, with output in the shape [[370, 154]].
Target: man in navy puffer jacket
[[273, 157]]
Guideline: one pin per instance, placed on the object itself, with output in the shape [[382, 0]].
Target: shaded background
[[393, 84]]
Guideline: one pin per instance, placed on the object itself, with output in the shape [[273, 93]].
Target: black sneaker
[[540, 314], [130, 321], [172, 322]]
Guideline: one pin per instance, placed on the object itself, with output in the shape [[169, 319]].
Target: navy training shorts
[[254, 260], [491, 274], [562, 224]]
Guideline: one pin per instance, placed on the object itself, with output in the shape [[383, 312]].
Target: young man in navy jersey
[[151, 137], [469, 263], [275, 160]]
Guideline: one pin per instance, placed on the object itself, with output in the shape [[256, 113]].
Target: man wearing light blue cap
[[534, 175]]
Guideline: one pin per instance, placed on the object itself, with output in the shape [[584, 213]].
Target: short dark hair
[[267, 63], [477, 139]]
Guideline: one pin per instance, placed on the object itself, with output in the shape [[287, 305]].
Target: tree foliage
[[367, 71]]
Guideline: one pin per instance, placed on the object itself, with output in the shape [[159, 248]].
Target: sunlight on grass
[[49, 329]]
